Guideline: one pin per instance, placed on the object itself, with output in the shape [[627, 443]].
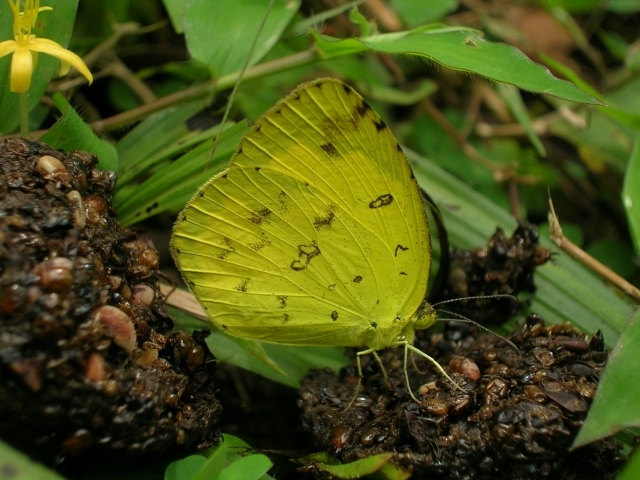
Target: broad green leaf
[[616, 404], [16, 466], [462, 49], [171, 187], [70, 133], [631, 195], [220, 34], [632, 469], [294, 361], [359, 468], [176, 9], [215, 463], [471, 219], [185, 469], [55, 25], [252, 467], [513, 99], [146, 143]]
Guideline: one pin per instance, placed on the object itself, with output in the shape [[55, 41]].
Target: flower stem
[[24, 113]]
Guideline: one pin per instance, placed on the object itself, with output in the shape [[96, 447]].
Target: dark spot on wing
[[239, 151], [400, 247], [326, 220], [191, 283], [285, 318], [282, 200], [398, 147], [258, 217], [403, 273], [258, 127], [380, 125], [283, 300], [305, 254], [374, 324], [330, 149], [278, 110], [334, 315], [225, 175], [346, 88], [257, 169], [257, 246], [178, 250], [382, 201], [332, 287], [296, 96], [242, 286], [224, 326], [413, 177], [201, 194], [358, 279]]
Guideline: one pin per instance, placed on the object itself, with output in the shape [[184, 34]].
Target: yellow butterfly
[[316, 234]]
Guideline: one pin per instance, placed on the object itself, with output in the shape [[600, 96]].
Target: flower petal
[[44, 45], [21, 70], [7, 47]]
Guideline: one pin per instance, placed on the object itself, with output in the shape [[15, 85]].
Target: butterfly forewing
[[316, 234]]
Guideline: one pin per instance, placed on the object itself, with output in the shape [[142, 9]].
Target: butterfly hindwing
[[316, 234]]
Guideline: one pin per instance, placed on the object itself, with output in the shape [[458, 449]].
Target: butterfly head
[[425, 317]]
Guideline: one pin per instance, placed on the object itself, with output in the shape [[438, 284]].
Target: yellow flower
[[25, 47]]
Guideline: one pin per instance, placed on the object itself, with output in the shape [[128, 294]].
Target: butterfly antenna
[[462, 318], [477, 297]]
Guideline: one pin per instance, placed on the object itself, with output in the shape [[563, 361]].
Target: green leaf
[[16, 466], [631, 195], [513, 99], [632, 469], [55, 25], [171, 186], [359, 468], [294, 361], [185, 469], [144, 146], [462, 49], [251, 467], [220, 34], [176, 9], [615, 406], [215, 463], [70, 133]]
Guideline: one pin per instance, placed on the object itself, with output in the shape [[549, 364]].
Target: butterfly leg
[[384, 372], [406, 375], [408, 346], [359, 364]]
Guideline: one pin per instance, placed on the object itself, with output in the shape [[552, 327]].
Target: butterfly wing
[[316, 234]]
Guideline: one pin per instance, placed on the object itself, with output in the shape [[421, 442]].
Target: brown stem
[[556, 235]]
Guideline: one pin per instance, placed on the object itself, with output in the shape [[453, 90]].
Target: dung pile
[[87, 357], [517, 417]]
